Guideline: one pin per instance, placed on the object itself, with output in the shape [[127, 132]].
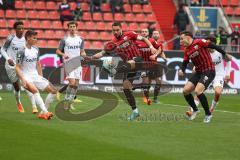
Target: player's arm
[[39, 68], [141, 38], [228, 68], [98, 55], [20, 55], [60, 49], [4, 50], [185, 62], [219, 49]]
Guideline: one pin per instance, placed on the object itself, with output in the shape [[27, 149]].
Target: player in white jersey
[[9, 52], [29, 71], [222, 75], [72, 46]]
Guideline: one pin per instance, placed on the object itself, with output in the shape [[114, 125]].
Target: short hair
[[30, 33], [187, 33], [117, 24], [17, 23], [212, 39], [72, 22]]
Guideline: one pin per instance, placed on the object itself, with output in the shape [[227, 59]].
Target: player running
[[70, 47], [29, 71], [221, 76], [197, 51], [9, 51], [124, 46]]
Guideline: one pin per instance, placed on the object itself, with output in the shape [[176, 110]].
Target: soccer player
[[197, 51], [9, 52], [70, 47], [29, 71], [221, 75], [124, 45]]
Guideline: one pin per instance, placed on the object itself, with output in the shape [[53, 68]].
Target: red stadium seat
[[136, 8], [143, 25], [52, 44], [19, 5], [86, 16], [85, 6], [237, 11], [40, 5], [87, 45], [119, 17], [147, 8], [59, 34], [27, 24], [83, 34], [35, 24], [108, 17], [125, 27], [234, 3], [129, 17], [21, 14], [42, 44], [4, 33], [229, 11], [212, 2], [73, 5], [108, 26], [140, 18], [1, 13], [40, 34], [53, 15], [225, 2], [11, 22], [81, 25], [29, 5], [92, 35], [45, 24], [51, 6], [105, 36], [106, 7], [3, 23], [97, 17], [43, 15], [151, 18], [32, 14], [127, 8], [100, 26], [10, 14], [97, 45], [133, 26], [57, 25], [90, 25]]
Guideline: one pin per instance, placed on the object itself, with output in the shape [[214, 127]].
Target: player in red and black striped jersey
[[197, 51], [124, 46]]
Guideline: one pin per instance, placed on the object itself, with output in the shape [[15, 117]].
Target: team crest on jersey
[[125, 38], [196, 47], [205, 79]]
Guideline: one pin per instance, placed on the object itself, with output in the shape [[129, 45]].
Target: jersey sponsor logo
[[145, 49], [73, 47], [31, 60], [194, 54]]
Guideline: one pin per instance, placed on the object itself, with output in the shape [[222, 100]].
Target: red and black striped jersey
[[199, 54]]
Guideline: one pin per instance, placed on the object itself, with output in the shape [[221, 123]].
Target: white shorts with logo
[[11, 72], [75, 74], [218, 81], [40, 82]]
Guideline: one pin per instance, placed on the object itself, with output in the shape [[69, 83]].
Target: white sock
[[32, 99], [49, 99], [70, 93], [135, 110], [214, 103], [17, 96], [196, 102], [39, 102]]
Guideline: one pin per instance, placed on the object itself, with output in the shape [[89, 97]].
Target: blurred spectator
[[181, 19], [138, 2], [132, 1], [176, 42], [78, 12], [224, 39], [7, 4], [65, 12], [235, 39], [116, 6], [195, 3], [142, 2], [95, 5]]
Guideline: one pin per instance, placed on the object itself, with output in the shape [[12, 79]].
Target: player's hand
[[181, 73], [193, 70], [153, 57], [153, 50], [10, 62], [24, 83], [65, 56], [88, 58], [227, 79]]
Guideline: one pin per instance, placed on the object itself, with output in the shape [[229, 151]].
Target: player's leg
[[146, 88], [16, 92], [33, 102], [218, 87], [52, 92], [156, 89]]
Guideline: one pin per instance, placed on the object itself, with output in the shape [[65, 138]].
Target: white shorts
[[40, 82], [218, 81], [11, 72], [75, 74]]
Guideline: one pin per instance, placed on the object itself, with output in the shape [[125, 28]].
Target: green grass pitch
[[111, 137]]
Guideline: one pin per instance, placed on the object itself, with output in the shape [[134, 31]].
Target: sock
[[17, 96], [135, 110], [61, 90], [130, 98], [146, 93], [49, 99], [70, 93], [214, 103], [39, 102], [156, 90], [204, 102], [31, 98], [189, 98]]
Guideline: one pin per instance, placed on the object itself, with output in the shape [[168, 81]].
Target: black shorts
[[205, 78], [131, 76], [155, 71]]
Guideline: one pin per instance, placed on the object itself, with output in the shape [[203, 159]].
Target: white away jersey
[[71, 46], [217, 59], [28, 59], [12, 45]]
